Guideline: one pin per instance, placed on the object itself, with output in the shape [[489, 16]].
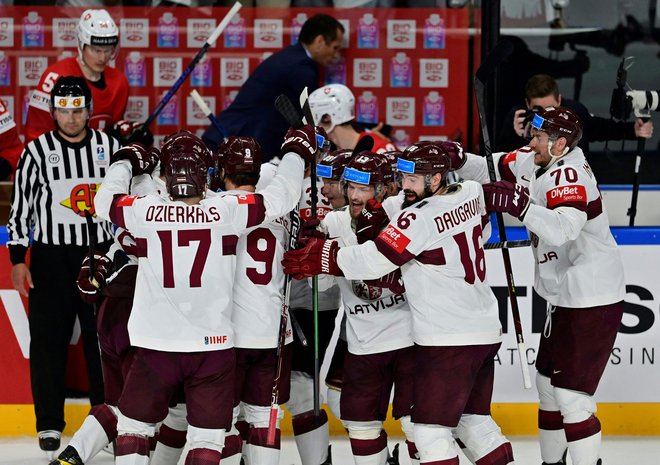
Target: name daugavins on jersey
[[460, 214], [181, 214]]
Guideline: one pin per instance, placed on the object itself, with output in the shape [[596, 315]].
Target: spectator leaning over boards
[[56, 179], [10, 145], [333, 108], [541, 91], [286, 72], [98, 44]]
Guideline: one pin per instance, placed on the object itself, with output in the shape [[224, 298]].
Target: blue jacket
[[253, 112]]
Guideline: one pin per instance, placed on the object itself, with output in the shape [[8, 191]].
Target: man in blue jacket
[[286, 72]]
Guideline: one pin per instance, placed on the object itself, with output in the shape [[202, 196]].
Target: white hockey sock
[[312, 440], [483, 440], [258, 451], [584, 440], [333, 400], [98, 429], [435, 445], [171, 437], [552, 438], [231, 454], [203, 456], [132, 449]]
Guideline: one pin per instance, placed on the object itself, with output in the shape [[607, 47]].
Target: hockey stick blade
[[365, 143], [306, 109], [507, 244], [500, 52], [285, 107]]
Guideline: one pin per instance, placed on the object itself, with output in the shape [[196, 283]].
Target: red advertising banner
[[407, 67]]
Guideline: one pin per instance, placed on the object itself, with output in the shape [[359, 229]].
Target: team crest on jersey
[[365, 291], [81, 198]]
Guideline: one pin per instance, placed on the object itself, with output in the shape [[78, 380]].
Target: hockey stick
[[307, 114], [275, 394], [501, 51], [507, 244], [91, 233], [207, 112], [200, 54]]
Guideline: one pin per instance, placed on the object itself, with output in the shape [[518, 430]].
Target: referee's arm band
[[17, 253]]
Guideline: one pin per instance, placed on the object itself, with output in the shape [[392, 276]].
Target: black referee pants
[[53, 305]]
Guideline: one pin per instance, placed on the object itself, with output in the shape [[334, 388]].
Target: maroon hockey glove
[[370, 222], [507, 197], [142, 161], [457, 156], [391, 281], [301, 141], [316, 257], [310, 229], [129, 132], [90, 282]]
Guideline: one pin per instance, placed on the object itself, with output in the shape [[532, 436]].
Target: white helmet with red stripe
[[96, 27]]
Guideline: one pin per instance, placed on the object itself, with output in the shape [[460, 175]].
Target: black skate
[[69, 456], [49, 442], [394, 459]]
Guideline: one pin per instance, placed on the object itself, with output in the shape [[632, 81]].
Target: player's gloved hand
[[457, 155], [317, 256], [309, 229], [507, 197], [370, 222], [142, 161], [129, 132], [91, 281], [392, 281], [301, 141]]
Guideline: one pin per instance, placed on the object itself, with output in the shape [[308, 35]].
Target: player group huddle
[[196, 281]]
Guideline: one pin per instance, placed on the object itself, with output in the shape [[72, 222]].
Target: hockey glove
[[316, 257], [90, 281], [129, 132], [457, 156], [310, 229], [142, 161], [507, 197], [392, 281], [301, 141], [370, 222]]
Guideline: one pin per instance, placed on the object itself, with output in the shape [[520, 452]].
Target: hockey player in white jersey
[[180, 322], [378, 325], [437, 242], [578, 271]]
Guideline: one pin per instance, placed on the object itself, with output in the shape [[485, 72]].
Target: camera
[[624, 102]]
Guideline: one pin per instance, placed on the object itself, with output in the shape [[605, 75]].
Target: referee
[[56, 180]]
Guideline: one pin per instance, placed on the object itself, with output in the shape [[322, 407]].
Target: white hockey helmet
[[332, 104], [96, 27]]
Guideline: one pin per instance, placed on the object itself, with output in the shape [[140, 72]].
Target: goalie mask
[[332, 105], [369, 168], [559, 122], [96, 27]]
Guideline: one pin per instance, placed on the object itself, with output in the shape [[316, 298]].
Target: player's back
[[184, 286], [258, 284]]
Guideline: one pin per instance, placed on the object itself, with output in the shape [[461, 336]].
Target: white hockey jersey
[[578, 263], [377, 320], [183, 296], [258, 284], [438, 244]]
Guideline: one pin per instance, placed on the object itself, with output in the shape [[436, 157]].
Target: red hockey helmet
[[559, 122], [369, 168], [186, 175], [424, 157], [332, 165], [240, 155], [184, 142]]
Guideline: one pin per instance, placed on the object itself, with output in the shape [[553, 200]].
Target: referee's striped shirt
[[55, 183]]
